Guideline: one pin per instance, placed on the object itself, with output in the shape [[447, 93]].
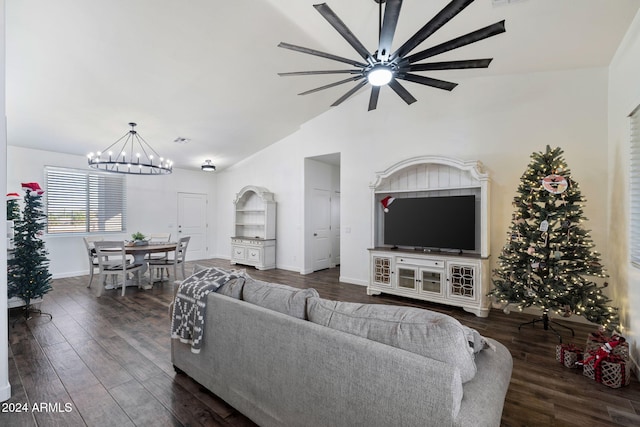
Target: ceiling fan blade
[[402, 92], [444, 16], [452, 65], [373, 99], [348, 94], [321, 54], [464, 40], [350, 79], [344, 31], [428, 81], [391, 14], [311, 73]]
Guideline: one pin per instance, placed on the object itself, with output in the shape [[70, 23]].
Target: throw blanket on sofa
[[189, 307]]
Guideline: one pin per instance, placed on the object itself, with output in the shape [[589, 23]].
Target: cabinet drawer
[[253, 254], [434, 263], [238, 252]]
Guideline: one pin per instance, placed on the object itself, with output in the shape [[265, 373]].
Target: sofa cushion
[[281, 298], [232, 288], [424, 332]]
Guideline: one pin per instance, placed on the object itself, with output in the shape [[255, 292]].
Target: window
[[84, 201], [634, 171]]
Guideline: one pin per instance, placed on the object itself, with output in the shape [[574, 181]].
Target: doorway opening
[[322, 212]]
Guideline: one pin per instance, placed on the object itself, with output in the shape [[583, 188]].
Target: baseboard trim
[[5, 392], [353, 281], [68, 274]]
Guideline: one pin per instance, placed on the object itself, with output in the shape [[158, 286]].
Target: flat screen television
[[447, 223]]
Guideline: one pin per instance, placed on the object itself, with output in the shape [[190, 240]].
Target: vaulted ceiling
[[78, 71]]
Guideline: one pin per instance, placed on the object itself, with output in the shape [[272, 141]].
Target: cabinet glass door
[[431, 281], [406, 278]]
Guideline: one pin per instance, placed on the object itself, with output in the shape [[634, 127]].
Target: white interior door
[[321, 221], [192, 221]]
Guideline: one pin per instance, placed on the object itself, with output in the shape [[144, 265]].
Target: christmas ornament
[[386, 202], [554, 184], [531, 250], [544, 226]]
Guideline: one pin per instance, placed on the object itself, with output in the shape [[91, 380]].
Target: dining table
[[139, 253]]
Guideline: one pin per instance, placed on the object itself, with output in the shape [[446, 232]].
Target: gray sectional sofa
[[283, 356]]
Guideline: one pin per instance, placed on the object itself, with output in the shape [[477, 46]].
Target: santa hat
[[13, 196], [386, 202], [33, 187]]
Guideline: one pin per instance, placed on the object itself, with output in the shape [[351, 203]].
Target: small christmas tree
[[13, 208], [28, 270], [549, 255]]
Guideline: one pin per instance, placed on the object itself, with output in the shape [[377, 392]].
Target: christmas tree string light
[[548, 260]]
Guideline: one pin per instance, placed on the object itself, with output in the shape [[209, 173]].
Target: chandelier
[[133, 156]]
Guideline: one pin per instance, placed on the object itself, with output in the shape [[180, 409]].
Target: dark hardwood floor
[[106, 361]]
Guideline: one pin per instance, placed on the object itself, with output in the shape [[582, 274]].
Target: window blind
[[80, 201], [635, 188]]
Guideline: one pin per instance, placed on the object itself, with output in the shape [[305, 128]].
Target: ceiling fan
[[384, 67]]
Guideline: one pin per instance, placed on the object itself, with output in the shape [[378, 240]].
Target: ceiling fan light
[[207, 166], [379, 75]]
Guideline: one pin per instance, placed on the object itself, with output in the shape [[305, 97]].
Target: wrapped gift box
[[612, 372], [595, 340], [568, 355]]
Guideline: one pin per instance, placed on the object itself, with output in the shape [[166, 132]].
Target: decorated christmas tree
[[548, 260], [28, 269]]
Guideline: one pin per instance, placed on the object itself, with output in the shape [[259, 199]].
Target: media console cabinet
[[457, 279], [451, 279]]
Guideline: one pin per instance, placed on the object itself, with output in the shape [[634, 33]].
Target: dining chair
[[91, 253], [113, 262], [159, 238], [177, 260]]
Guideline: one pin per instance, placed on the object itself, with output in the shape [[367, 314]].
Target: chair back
[[111, 254], [159, 237], [90, 240], [181, 249]]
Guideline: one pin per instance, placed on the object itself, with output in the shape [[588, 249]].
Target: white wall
[[151, 203], [498, 120], [624, 97], [5, 387]]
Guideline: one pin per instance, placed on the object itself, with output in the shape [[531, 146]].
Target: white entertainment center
[[458, 278]]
